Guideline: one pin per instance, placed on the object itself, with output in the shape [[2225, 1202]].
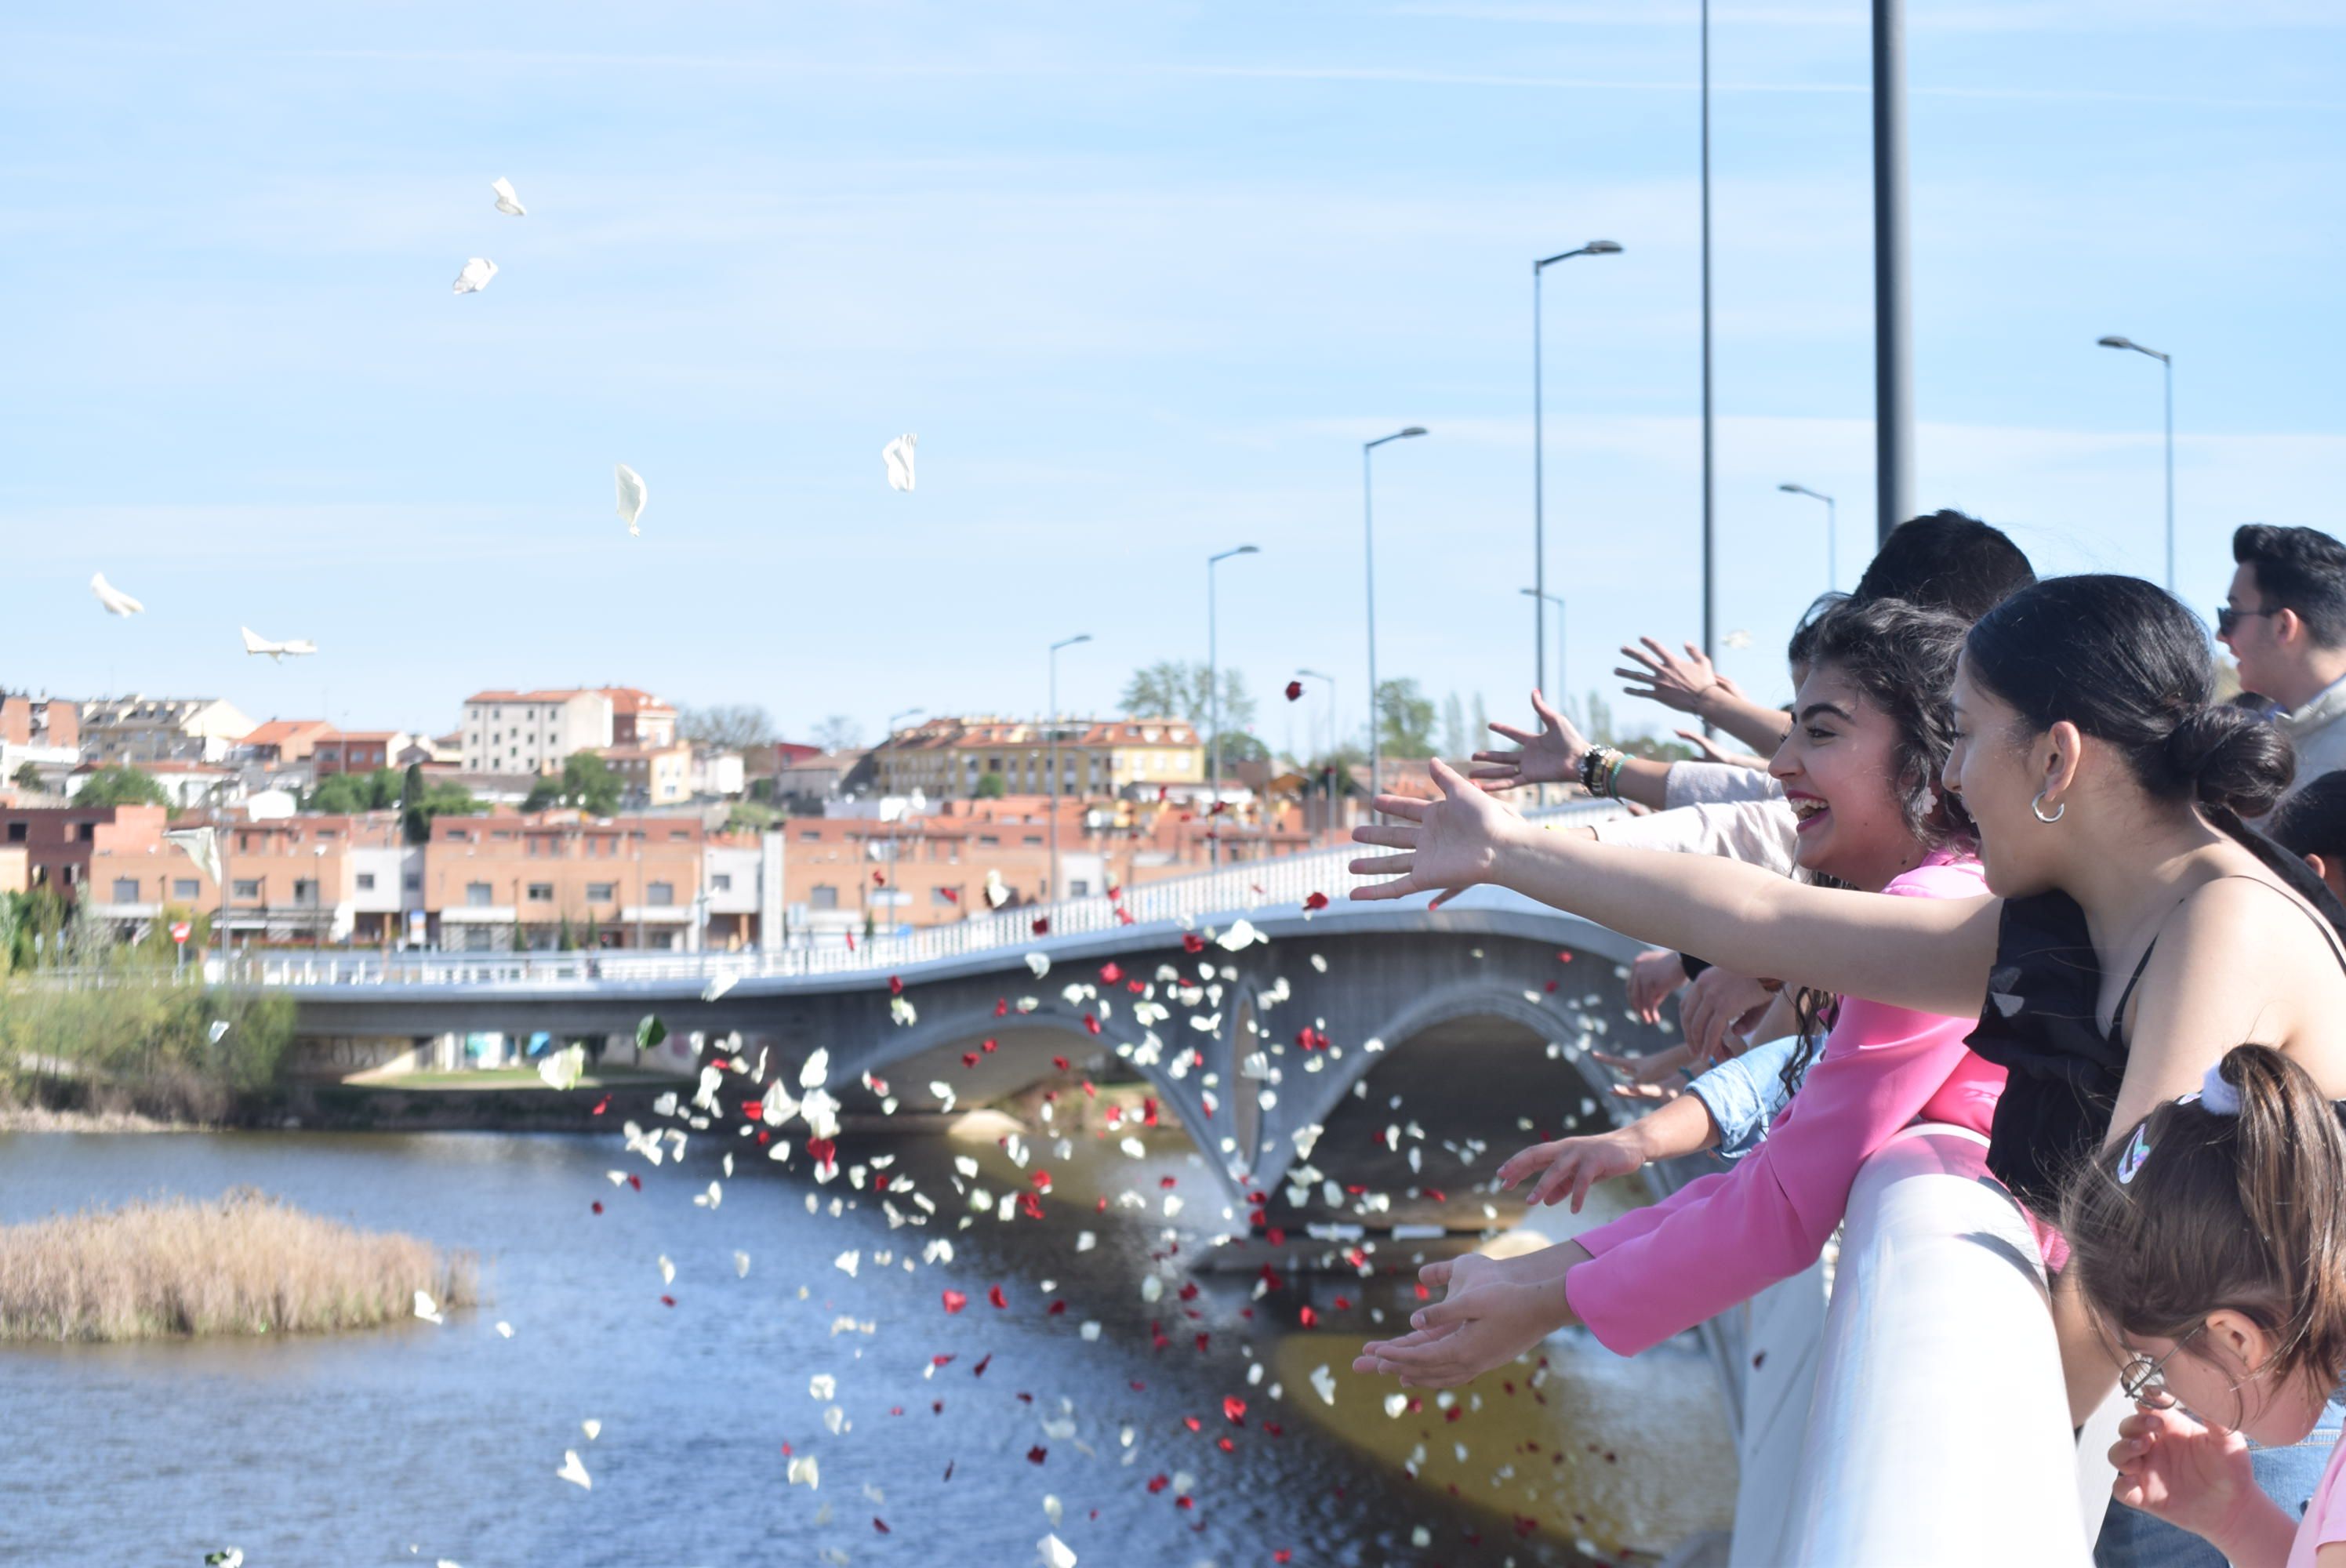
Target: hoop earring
[[2037, 806]]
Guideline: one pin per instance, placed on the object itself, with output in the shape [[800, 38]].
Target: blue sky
[[1141, 277]]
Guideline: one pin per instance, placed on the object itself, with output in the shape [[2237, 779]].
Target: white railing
[[1256, 885], [1938, 1431]]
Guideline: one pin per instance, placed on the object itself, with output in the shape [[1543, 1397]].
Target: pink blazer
[[1721, 1238]]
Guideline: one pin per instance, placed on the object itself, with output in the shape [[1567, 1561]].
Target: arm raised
[[1930, 955]]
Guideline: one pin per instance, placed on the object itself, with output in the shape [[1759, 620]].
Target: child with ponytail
[[2210, 1247]]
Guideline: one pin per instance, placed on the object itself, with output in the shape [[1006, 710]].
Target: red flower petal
[[996, 1298], [1316, 901], [1192, 942], [896, 986], [1294, 689], [1091, 1023], [1234, 1409], [987, 1045], [599, 1205], [601, 1106], [1060, 1062], [1110, 972], [636, 1182], [880, 1524], [984, 1361], [952, 895], [823, 1151], [1036, 1454], [1042, 925], [969, 1058], [1308, 1317], [668, 1301], [954, 1301]]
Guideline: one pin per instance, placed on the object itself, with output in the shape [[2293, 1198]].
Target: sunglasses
[[2227, 619]]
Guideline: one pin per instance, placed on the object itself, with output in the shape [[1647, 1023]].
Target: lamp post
[[1710, 489], [1331, 679], [1054, 732], [1214, 701], [1833, 551], [1893, 300], [1539, 451], [1369, 534], [895, 842], [2167, 368]]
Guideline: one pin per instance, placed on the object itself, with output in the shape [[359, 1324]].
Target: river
[[423, 1444]]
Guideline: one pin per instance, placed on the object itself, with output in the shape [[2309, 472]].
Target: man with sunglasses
[[2285, 624]]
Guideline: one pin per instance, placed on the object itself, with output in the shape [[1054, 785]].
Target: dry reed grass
[[242, 1264]]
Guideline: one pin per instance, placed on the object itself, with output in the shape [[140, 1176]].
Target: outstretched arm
[[1930, 955], [1691, 684]]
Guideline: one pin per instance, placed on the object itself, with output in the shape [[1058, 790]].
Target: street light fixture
[[1539, 453], [1316, 674], [895, 842], [1833, 551], [1053, 721], [1369, 534], [2166, 367], [1214, 702]]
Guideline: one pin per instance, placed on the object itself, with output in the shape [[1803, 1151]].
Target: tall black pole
[[1893, 314], [1709, 491]]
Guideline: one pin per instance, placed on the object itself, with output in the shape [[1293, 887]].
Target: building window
[[822, 896], [1079, 887], [187, 888], [126, 890], [989, 840], [660, 895], [477, 895], [806, 835], [305, 891], [414, 882], [663, 940], [541, 893], [247, 886], [677, 835], [720, 881], [1034, 838], [602, 892], [366, 881], [17, 833]]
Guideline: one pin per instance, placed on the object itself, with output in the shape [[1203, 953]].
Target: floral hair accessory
[[2130, 1163], [2217, 1096]]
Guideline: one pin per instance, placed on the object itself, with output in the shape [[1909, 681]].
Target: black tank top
[[2040, 1024]]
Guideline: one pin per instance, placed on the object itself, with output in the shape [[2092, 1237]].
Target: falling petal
[[504, 1330], [898, 455], [1054, 1552], [562, 1069], [592, 1428], [741, 1266], [507, 202], [1324, 1383], [426, 1308], [717, 986], [574, 1472], [116, 603], [632, 496], [475, 276]]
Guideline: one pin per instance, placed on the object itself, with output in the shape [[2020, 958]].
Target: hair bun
[[2230, 757]]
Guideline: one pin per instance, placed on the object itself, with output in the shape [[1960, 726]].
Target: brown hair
[[2243, 1212]]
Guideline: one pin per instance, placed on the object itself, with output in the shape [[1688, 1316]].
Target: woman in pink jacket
[[1871, 730]]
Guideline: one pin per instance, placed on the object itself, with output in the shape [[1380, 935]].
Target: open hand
[[1551, 757], [1447, 845], [1456, 1276], [1573, 1165], [1459, 1338], [1658, 1077], [1686, 684], [1720, 1009], [1654, 974], [2193, 1476]]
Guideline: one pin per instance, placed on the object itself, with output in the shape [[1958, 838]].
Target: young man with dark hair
[[2285, 623], [2312, 825]]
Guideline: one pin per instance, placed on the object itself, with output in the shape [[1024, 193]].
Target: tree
[[1453, 728], [1482, 737], [1243, 747], [586, 782], [28, 777], [344, 794], [991, 787], [839, 733], [121, 787], [734, 727], [1404, 720], [1171, 688]]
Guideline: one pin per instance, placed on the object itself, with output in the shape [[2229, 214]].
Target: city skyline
[[1141, 284]]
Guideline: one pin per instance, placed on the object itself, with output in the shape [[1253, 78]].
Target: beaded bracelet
[[1613, 775]]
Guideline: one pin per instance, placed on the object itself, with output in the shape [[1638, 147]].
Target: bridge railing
[[1256, 884], [1938, 1430]]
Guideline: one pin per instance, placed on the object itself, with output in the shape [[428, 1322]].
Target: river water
[[423, 1444]]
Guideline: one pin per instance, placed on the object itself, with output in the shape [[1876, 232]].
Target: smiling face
[[1840, 771], [1992, 767]]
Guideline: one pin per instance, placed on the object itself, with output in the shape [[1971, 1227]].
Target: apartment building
[[44, 734], [639, 718], [357, 750], [533, 731], [491, 883], [134, 730], [653, 775], [281, 741], [60, 843], [947, 758]]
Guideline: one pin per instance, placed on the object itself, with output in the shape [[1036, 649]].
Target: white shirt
[[2318, 730]]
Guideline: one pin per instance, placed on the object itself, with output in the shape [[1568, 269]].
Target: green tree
[[121, 787], [586, 782], [1243, 747], [751, 816], [565, 938], [1453, 729], [346, 794], [1404, 720], [1171, 688], [28, 777], [992, 786]]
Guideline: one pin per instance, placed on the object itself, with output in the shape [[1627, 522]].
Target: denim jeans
[[2131, 1539], [1744, 1095]]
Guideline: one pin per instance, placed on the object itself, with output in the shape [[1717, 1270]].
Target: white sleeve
[[1708, 783], [1756, 832]]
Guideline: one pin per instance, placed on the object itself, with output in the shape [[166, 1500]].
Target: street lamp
[[2167, 366], [1054, 736], [1832, 552], [1331, 679], [1369, 534], [1558, 600], [1214, 701], [895, 842], [1539, 451]]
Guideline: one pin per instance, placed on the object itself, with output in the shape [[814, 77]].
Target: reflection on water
[[419, 1442]]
